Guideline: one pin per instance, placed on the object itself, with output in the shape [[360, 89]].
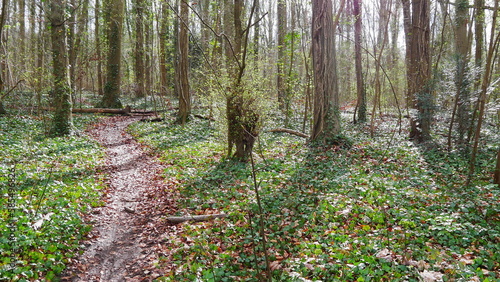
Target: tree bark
[[461, 75], [420, 98], [183, 67], [3, 18], [97, 34], [114, 22], [326, 118], [163, 49], [62, 119], [280, 75], [360, 84], [139, 49]]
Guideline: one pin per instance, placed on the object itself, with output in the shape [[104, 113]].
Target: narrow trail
[[128, 229]]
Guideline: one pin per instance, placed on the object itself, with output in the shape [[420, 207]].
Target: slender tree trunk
[[461, 75], [360, 84], [114, 17], [22, 34], [97, 28], [326, 118], [496, 177], [183, 66], [163, 49], [478, 57], [139, 49], [61, 121], [494, 41], [71, 37], [3, 18], [282, 30], [256, 35], [79, 30]]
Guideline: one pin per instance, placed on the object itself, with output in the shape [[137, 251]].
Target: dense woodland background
[[335, 75]]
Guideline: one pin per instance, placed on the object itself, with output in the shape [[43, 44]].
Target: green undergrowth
[[46, 185], [383, 210]]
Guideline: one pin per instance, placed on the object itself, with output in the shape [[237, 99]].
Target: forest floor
[[127, 228], [378, 209]]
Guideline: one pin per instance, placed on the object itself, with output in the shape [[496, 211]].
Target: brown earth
[[130, 232]]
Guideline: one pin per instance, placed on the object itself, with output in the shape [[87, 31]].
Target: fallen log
[[195, 218], [290, 131], [124, 111]]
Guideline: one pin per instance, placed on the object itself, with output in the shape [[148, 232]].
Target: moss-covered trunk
[[61, 121], [114, 21]]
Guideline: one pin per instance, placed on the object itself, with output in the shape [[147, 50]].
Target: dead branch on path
[[195, 218]]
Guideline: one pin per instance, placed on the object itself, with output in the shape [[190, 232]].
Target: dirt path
[[123, 243]]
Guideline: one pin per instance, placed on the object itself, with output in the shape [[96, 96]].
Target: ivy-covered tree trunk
[[242, 119], [114, 22], [326, 119], [420, 99], [61, 121]]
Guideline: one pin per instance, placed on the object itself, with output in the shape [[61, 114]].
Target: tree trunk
[[326, 119], [242, 119], [114, 22], [183, 66], [61, 121], [139, 49], [420, 97], [72, 50], [280, 76], [496, 177], [360, 84], [494, 41], [3, 18], [97, 34], [478, 56], [461, 75], [163, 49]]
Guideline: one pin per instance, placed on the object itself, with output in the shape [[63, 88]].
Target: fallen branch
[[205, 118], [195, 218], [290, 131]]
